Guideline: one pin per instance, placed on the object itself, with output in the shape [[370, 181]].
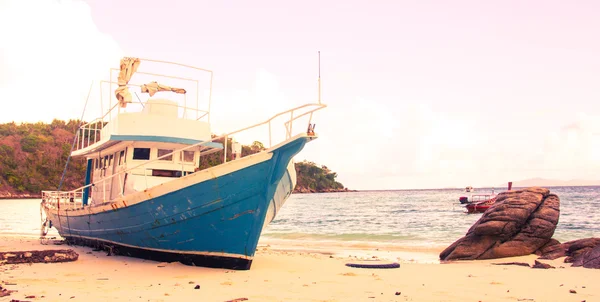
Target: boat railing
[[481, 197], [64, 200], [295, 114], [93, 132]]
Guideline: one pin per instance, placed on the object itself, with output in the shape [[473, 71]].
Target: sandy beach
[[290, 274]]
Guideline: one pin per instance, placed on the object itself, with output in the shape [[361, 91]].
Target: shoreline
[[303, 190], [39, 196], [20, 196], [289, 275], [357, 249]]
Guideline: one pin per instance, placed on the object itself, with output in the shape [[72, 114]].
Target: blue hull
[[213, 223], [285, 187]]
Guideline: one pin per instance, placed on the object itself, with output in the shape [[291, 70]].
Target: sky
[[420, 94]]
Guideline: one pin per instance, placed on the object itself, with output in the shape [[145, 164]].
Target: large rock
[[519, 223], [552, 247], [591, 259], [572, 249], [580, 252]]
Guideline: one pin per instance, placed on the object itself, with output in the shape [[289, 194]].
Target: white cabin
[[133, 138]]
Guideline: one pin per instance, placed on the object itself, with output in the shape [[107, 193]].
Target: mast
[[319, 77]]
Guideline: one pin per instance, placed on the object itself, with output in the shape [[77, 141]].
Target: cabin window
[[141, 153], [110, 160], [105, 164], [187, 156], [121, 157], [166, 173], [96, 163], [162, 152]]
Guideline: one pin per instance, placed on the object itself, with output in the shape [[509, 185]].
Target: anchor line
[[75, 138]]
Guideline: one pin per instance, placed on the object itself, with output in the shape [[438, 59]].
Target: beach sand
[[290, 274]]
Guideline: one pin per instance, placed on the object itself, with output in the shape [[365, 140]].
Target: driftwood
[[46, 256], [512, 263], [5, 292]]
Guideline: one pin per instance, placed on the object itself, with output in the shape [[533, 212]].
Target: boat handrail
[[87, 134], [56, 196]]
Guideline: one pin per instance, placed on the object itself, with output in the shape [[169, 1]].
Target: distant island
[[543, 182], [314, 179], [33, 157]]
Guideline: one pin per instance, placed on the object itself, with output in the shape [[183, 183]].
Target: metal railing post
[[291, 122], [225, 150], [270, 143], [78, 130]]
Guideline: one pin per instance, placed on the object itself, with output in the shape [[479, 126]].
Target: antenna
[[319, 77]]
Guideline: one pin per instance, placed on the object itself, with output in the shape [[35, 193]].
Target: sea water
[[406, 219], [413, 218]]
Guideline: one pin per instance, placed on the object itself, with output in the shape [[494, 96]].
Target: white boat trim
[[165, 188]]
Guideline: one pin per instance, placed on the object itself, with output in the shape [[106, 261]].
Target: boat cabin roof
[[157, 123]]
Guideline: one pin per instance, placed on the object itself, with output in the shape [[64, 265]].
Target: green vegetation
[[311, 178], [33, 156]]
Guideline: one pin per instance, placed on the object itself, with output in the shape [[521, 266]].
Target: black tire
[[374, 265]]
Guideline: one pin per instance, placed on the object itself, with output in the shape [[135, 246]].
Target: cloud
[[573, 151], [254, 104], [404, 146], [51, 52], [413, 145]]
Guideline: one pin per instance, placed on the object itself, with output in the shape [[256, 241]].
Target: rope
[[69, 159], [42, 225], [75, 139]]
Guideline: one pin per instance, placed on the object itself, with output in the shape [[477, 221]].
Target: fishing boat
[[469, 189], [152, 187], [481, 202]]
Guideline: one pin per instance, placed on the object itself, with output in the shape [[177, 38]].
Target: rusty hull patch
[[241, 214]]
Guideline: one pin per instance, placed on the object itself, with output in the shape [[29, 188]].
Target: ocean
[[404, 219], [429, 219]]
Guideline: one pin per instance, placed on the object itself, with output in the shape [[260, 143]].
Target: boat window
[[105, 161], [96, 163], [166, 173], [141, 153], [162, 152], [110, 160], [187, 156], [121, 157]]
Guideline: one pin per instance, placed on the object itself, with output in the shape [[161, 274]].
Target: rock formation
[[590, 259], [522, 223], [581, 252], [519, 223]]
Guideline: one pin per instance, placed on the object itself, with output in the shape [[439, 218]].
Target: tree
[[257, 146]]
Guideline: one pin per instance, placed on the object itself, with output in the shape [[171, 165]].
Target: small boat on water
[[469, 189], [148, 190], [481, 202]]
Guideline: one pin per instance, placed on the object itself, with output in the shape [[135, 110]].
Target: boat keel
[[211, 261]]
